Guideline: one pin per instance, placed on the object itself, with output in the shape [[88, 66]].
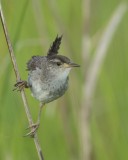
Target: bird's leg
[[35, 126], [21, 85]]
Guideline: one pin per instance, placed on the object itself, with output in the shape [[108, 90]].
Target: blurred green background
[[32, 27]]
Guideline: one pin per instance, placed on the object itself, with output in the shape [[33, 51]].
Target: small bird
[[47, 77]]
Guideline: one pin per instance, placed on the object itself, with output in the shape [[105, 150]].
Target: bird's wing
[[55, 46], [34, 62]]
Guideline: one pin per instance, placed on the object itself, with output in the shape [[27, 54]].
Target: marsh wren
[[48, 77]]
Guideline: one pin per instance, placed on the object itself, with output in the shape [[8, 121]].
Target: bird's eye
[[58, 63]]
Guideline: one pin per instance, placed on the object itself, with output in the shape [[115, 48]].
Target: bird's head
[[61, 64]]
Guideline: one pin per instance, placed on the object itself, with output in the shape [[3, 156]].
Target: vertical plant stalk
[[15, 67], [92, 77], [85, 143], [86, 28]]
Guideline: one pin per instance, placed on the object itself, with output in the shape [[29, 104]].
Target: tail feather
[[55, 46]]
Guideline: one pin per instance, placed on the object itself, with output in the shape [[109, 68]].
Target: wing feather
[[34, 62]]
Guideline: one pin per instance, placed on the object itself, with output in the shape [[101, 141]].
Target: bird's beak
[[70, 65]]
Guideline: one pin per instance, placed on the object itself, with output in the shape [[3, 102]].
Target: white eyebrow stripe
[[55, 60]]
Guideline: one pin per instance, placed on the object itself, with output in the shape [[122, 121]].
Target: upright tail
[[55, 46]]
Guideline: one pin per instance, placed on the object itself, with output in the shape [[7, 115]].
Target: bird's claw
[[33, 128], [20, 85]]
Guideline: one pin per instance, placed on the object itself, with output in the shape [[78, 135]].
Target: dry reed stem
[[15, 67]]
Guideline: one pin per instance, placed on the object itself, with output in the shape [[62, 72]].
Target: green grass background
[[32, 31]]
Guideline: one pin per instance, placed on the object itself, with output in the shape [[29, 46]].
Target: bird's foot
[[20, 85], [34, 128]]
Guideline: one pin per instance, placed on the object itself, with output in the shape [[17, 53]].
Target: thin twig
[[15, 67], [92, 76]]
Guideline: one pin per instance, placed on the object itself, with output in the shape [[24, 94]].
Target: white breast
[[44, 91]]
